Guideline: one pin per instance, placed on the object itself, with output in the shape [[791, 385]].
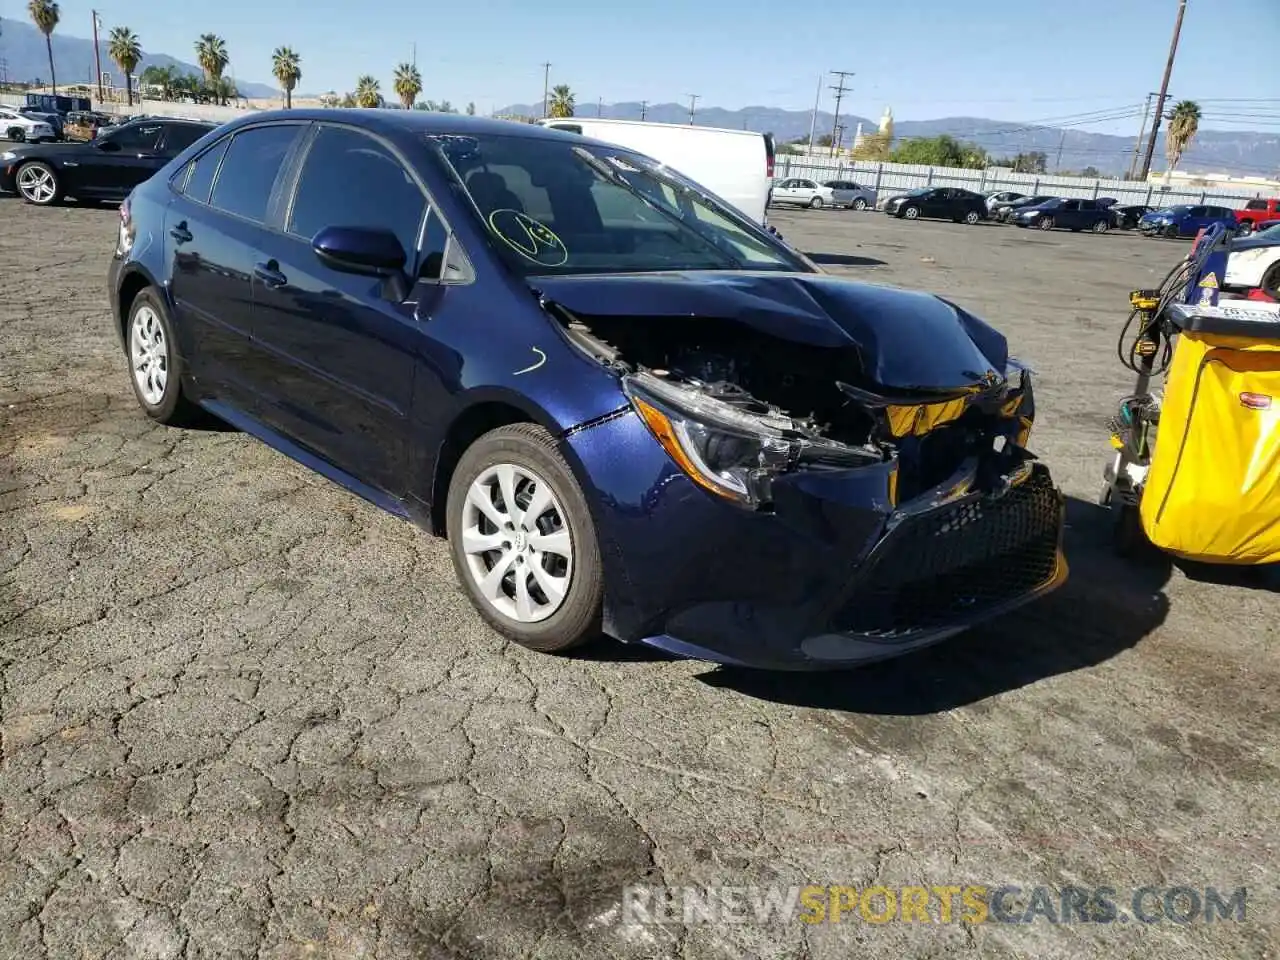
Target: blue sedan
[[630, 410], [1184, 220]]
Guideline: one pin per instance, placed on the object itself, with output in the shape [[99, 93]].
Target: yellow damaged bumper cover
[[1213, 489]]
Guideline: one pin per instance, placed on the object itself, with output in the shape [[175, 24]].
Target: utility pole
[[414, 58], [1164, 91], [1062, 141], [840, 90], [1142, 132], [693, 103], [644, 108], [813, 120], [546, 80], [600, 107], [97, 55]]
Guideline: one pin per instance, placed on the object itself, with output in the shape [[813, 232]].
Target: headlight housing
[[724, 449], [8, 156]]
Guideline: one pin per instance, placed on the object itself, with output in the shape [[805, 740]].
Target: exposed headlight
[[726, 450], [8, 156]]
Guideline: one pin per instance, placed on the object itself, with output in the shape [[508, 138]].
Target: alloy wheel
[[911, 213], [516, 540], [149, 355], [971, 217], [1046, 223], [37, 184], [860, 204]]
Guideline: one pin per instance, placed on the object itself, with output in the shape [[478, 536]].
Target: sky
[[1002, 59]]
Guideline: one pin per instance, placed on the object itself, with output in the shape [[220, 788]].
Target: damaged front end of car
[[876, 440]]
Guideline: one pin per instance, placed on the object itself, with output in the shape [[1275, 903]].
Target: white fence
[[891, 178]]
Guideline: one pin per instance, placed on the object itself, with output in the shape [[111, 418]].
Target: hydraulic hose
[[1172, 285]]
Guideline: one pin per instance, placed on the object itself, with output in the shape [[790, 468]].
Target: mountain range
[[23, 58], [1242, 153]]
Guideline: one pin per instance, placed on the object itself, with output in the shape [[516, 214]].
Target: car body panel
[[846, 193], [800, 191], [1067, 213], [942, 203], [1185, 220]]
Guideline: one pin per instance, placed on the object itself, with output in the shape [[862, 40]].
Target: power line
[[840, 90]]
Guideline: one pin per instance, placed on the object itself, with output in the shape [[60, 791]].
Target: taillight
[[124, 236], [768, 168], [1255, 401]]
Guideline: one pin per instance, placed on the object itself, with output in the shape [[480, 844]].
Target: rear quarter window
[[1256, 205], [201, 171], [252, 162]]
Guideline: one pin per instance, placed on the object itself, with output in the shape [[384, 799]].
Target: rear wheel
[[1101, 226], [972, 217], [38, 183], [155, 369], [522, 540], [816, 203], [911, 213], [1170, 232], [1046, 223], [860, 204]]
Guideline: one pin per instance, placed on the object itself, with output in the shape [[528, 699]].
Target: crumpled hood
[[905, 341]]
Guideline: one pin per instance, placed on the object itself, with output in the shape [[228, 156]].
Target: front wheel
[[1101, 226], [38, 183], [972, 217], [860, 204], [1244, 228], [815, 203], [16, 134], [1046, 223], [1170, 232], [522, 540], [911, 213]]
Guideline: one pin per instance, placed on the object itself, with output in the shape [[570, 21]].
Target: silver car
[[852, 195], [802, 192]]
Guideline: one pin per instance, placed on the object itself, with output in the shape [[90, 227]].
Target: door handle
[[269, 273], [180, 233]]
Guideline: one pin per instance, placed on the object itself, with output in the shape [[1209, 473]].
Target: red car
[[1257, 211]]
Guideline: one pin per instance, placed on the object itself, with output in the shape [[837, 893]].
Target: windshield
[[559, 207], [919, 192]]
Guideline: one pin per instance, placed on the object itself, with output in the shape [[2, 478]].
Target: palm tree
[[123, 47], [45, 15], [211, 54], [286, 65], [1184, 122], [408, 84], [166, 78], [562, 101], [368, 92], [471, 109]]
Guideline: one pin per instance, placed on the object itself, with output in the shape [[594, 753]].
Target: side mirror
[[369, 251], [107, 146]]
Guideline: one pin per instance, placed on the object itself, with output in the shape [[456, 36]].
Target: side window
[[1198, 212], [1071, 205], [350, 179], [250, 165], [138, 138], [1256, 205], [202, 170], [1088, 205], [179, 136], [570, 127]]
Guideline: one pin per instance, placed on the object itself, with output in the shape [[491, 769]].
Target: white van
[[735, 165]]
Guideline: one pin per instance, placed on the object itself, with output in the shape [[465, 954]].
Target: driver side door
[[116, 163]]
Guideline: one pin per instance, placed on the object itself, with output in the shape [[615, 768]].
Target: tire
[[1170, 232], [1271, 281], [1045, 223], [911, 213], [37, 183], [1244, 228], [1101, 226], [529, 453], [972, 218], [16, 134], [815, 203], [860, 204], [149, 340]]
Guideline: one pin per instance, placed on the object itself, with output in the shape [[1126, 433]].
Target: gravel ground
[[247, 714]]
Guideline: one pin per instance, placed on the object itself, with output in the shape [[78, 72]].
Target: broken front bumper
[[835, 574]]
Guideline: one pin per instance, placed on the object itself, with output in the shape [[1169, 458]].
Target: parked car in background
[[54, 120], [1106, 201], [1004, 210], [1001, 197], [600, 413], [1257, 212], [83, 126], [939, 203], [20, 128], [1064, 213], [105, 168], [1125, 216], [1253, 262], [1184, 220], [854, 196], [735, 165], [802, 192]]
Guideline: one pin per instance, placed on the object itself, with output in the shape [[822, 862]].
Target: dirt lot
[[246, 714]]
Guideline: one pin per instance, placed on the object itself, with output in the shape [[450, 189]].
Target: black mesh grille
[[950, 565]]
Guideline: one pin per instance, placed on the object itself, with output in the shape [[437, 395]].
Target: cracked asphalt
[[245, 714]]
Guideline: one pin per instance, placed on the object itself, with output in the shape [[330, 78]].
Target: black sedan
[[1064, 213], [1126, 216], [939, 203], [106, 168], [1003, 211]]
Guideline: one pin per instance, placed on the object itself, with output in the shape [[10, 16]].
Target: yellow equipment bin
[[1212, 488]]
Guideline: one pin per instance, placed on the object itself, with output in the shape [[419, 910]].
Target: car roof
[[421, 122]]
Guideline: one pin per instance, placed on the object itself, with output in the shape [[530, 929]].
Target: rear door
[[213, 231], [334, 352]]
